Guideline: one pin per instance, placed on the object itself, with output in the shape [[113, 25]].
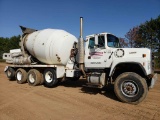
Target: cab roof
[[103, 33]]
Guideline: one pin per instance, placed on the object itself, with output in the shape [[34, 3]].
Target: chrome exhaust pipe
[[81, 48]]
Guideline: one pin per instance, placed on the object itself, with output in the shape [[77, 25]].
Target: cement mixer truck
[[52, 55]]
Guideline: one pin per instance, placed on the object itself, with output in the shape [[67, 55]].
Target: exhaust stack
[[81, 43], [81, 48]]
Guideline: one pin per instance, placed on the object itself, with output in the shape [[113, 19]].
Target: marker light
[[143, 55]]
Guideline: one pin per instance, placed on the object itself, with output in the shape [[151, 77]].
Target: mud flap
[[153, 81]]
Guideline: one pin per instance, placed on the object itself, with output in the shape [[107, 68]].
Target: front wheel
[[50, 79], [131, 88]]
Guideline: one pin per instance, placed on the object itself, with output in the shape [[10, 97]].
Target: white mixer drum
[[50, 46]]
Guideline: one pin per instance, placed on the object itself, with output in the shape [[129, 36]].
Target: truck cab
[[130, 69], [103, 51], [99, 50]]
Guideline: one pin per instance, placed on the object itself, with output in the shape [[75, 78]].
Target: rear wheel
[[50, 79], [10, 72], [131, 88], [21, 76], [34, 77]]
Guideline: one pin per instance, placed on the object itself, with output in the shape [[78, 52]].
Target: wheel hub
[[31, 78], [129, 88], [19, 76], [9, 73], [49, 77]]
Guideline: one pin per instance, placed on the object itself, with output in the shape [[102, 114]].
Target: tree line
[[145, 35]]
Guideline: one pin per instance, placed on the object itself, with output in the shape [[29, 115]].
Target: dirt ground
[[71, 101]]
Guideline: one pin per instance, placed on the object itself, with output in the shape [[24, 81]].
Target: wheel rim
[[9, 73], [49, 77], [19, 75], [129, 88], [31, 78]]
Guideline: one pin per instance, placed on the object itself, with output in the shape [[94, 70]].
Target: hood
[[131, 53]]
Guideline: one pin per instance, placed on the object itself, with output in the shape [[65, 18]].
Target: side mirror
[[96, 40]]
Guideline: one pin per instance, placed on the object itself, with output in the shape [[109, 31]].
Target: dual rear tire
[[34, 77], [10, 72], [21, 76]]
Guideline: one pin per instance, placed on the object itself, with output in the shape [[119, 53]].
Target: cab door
[[95, 55]]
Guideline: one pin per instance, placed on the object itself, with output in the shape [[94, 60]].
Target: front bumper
[[153, 80]]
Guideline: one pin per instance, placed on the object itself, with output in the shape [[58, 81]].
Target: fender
[[138, 61]]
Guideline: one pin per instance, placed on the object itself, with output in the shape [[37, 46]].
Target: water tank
[[50, 46]]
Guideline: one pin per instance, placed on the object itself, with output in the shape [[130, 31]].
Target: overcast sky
[[113, 16]]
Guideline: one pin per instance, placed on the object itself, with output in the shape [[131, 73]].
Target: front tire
[[131, 88], [50, 79]]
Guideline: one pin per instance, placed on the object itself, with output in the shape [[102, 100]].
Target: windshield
[[112, 41]]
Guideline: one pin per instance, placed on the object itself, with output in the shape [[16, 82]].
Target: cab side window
[[101, 42], [91, 43]]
